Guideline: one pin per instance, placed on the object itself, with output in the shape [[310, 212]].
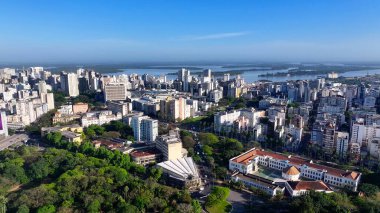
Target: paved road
[[14, 139], [239, 200]]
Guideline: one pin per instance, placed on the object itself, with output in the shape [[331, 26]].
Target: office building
[[115, 92], [170, 145]]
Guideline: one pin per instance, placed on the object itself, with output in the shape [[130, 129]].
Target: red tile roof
[[295, 160], [309, 185], [144, 153]]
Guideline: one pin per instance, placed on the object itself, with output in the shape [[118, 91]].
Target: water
[[250, 76]]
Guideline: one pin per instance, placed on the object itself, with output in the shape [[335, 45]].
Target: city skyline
[[168, 31]]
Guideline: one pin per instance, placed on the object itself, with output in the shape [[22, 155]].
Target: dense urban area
[[87, 141]]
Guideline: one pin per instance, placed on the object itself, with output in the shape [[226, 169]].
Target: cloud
[[214, 36]]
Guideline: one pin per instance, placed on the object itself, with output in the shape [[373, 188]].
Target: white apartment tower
[[144, 128]]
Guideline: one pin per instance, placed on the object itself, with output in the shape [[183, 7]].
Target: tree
[[188, 142], [3, 204], [23, 209], [208, 138], [46, 209], [155, 173], [39, 170], [207, 150], [111, 134], [94, 206], [197, 208], [15, 172], [369, 189]]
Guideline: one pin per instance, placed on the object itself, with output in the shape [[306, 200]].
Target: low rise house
[[72, 133]]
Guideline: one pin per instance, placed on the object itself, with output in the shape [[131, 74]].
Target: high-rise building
[[342, 139], [185, 77], [3, 124], [329, 138], [42, 87], [226, 77], [48, 98], [362, 134], [170, 145], [72, 84], [144, 128], [115, 92]]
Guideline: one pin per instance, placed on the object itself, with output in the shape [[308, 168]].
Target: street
[[239, 200], [11, 140]]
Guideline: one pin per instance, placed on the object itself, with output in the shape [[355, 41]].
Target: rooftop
[[309, 185], [257, 179], [291, 170], [144, 152], [246, 158], [182, 168]]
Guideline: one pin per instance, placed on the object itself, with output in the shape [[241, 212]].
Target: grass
[[192, 120], [221, 207]]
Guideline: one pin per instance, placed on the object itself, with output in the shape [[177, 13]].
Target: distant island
[[318, 70]]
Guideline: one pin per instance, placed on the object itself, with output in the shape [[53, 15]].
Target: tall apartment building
[[342, 139], [70, 84], [144, 128], [115, 92], [329, 138], [42, 88], [170, 145], [3, 125], [48, 98], [362, 134], [226, 120], [178, 109]]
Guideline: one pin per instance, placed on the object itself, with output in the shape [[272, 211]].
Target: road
[[11, 140], [239, 200]]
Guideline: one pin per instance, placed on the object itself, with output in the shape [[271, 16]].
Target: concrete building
[[99, 118], [298, 188], [80, 108], [3, 125], [70, 84], [182, 172], [170, 145], [249, 162], [48, 98], [118, 106], [72, 133], [249, 180], [115, 92], [144, 128], [342, 140], [328, 141], [362, 134]]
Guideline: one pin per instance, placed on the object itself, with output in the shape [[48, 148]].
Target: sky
[[100, 31]]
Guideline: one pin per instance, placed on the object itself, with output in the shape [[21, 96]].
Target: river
[[249, 76]]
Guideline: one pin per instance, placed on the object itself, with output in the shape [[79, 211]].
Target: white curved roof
[[182, 168]]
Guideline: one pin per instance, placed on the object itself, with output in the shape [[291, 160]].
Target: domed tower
[[291, 173]]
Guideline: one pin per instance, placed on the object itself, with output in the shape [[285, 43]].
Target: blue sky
[[80, 31]]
